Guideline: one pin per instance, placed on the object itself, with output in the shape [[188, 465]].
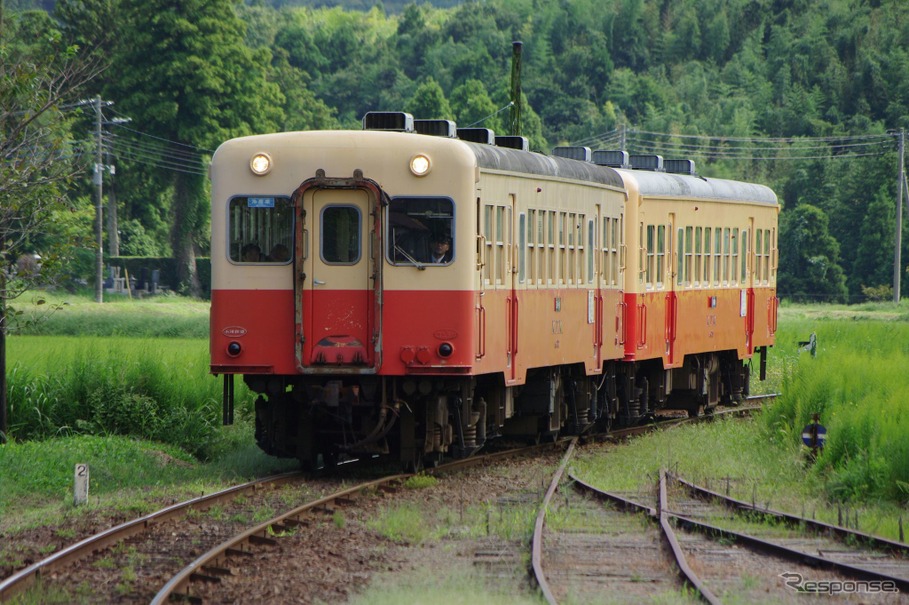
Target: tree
[[429, 102], [38, 159], [471, 104], [182, 72], [873, 264], [809, 257]]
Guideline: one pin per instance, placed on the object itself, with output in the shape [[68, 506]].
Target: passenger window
[[340, 230], [420, 230], [522, 247], [260, 230], [661, 255]]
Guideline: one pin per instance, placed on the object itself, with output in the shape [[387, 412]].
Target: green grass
[[134, 367], [79, 315], [405, 523], [36, 477], [123, 386], [158, 389], [857, 386], [453, 586]]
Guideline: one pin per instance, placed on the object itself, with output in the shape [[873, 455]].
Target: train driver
[[440, 249]]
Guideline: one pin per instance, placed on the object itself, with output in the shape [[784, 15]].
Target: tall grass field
[[139, 369], [858, 385], [136, 368]]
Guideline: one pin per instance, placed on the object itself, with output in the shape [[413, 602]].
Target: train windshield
[[420, 231], [261, 229]]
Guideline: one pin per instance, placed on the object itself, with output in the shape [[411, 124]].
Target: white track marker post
[[80, 485]]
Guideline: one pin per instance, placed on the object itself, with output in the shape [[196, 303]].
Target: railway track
[[627, 545], [159, 538], [848, 562], [195, 547], [183, 547], [198, 580]]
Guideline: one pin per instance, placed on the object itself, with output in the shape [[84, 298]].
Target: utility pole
[[516, 125], [898, 245], [113, 235], [113, 226], [98, 181]]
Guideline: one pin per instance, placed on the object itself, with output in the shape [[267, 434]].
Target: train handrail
[[481, 327], [621, 316]]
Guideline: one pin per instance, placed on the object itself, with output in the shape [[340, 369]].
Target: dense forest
[[808, 97]]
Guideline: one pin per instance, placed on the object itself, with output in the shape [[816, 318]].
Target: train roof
[[528, 162], [664, 184], [649, 183]]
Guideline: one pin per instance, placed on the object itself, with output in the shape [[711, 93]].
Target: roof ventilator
[[575, 153], [513, 142], [613, 159], [680, 167], [436, 128], [653, 163], [394, 121], [486, 136]]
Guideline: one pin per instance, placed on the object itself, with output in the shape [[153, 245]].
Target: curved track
[[717, 564], [21, 580], [850, 555]]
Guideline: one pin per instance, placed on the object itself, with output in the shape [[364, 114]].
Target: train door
[[747, 274], [505, 236], [595, 278], [676, 248], [481, 261], [338, 320]]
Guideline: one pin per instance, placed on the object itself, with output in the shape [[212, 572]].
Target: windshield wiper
[[415, 262]]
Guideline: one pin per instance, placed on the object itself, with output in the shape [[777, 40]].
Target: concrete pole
[[898, 244], [98, 180]]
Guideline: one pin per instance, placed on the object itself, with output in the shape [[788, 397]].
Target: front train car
[[324, 282]]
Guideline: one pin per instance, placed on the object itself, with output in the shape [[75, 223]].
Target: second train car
[[415, 290]]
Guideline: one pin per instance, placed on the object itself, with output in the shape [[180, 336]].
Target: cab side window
[[260, 230], [420, 231]]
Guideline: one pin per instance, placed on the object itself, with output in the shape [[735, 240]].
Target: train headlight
[[445, 349], [260, 164], [420, 165], [234, 349]]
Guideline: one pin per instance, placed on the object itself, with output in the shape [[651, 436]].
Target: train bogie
[[396, 293]]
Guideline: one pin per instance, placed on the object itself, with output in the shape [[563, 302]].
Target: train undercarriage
[[421, 420]]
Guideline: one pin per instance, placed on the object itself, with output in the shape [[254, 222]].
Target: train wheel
[[415, 465], [432, 460]]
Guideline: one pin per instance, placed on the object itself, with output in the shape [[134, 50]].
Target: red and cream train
[[576, 288]]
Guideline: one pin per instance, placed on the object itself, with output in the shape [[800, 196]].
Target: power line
[[745, 148]]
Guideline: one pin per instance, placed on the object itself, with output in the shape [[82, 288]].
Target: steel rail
[[626, 504], [842, 533], [665, 423], [669, 534], [629, 505], [184, 576], [24, 578], [537, 550], [790, 554]]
